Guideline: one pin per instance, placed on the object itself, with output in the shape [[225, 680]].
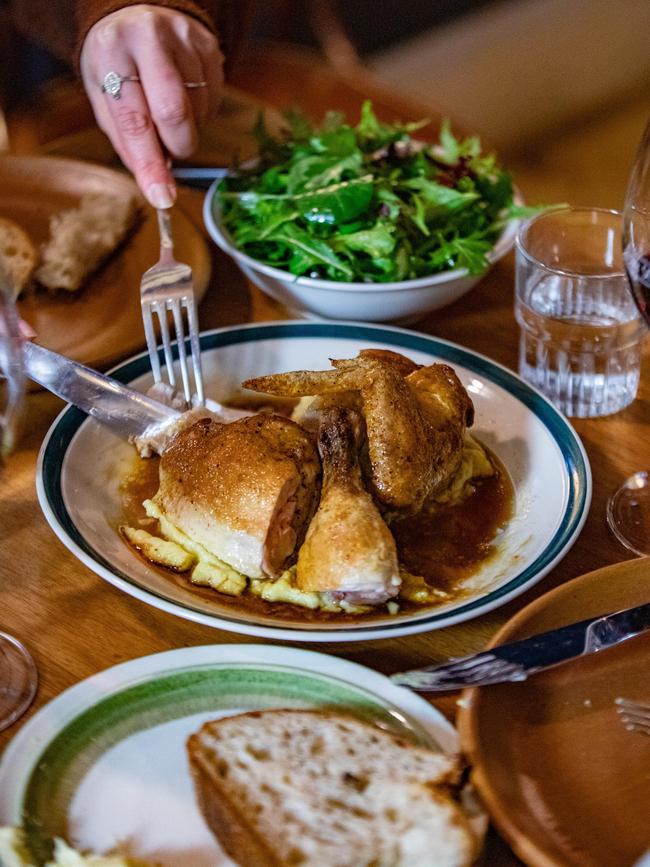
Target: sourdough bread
[[323, 789], [82, 238], [18, 256]]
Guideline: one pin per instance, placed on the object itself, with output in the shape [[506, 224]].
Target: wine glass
[[18, 676], [628, 509]]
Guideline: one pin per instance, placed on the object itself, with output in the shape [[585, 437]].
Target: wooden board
[[102, 323]]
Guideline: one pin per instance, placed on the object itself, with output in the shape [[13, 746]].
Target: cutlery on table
[[168, 287], [635, 715], [200, 177], [129, 412], [517, 661]]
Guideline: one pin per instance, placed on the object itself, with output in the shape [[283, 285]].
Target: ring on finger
[[112, 83]]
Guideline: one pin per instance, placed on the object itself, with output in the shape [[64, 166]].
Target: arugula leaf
[[313, 173], [524, 212], [470, 253], [450, 149], [311, 250], [376, 242], [440, 197], [418, 214], [338, 142], [337, 204], [369, 127]]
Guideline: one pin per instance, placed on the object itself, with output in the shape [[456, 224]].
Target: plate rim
[[23, 751], [578, 476]]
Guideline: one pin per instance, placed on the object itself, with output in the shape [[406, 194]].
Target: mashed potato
[[474, 464], [14, 853]]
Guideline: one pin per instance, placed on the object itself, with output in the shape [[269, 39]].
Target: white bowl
[[401, 301]]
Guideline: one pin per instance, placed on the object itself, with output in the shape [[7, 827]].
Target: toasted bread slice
[[281, 788], [82, 238], [18, 256]]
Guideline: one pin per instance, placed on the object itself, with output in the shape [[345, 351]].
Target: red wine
[[638, 272]]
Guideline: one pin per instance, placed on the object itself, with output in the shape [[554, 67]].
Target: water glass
[[581, 333]]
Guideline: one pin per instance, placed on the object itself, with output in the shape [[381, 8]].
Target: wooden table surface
[[75, 624]]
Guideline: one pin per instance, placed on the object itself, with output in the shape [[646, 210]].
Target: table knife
[[128, 412], [517, 661]]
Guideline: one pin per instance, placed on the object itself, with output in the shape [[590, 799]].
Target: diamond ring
[[113, 81]]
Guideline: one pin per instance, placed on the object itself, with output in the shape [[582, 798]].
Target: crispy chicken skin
[[246, 491], [399, 361], [415, 419], [348, 551]]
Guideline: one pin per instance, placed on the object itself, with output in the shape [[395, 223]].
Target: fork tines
[[635, 715], [481, 669], [177, 306], [165, 288]]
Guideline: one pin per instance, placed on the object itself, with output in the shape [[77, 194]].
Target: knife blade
[[518, 660], [128, 412]]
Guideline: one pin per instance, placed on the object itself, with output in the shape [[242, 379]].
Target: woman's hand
[[158, 113]]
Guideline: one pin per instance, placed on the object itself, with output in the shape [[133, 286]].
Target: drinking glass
[[18, 677], [628, 509], [580, 331]]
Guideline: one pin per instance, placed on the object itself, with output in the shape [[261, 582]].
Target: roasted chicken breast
[[349, 551], [246, 491]]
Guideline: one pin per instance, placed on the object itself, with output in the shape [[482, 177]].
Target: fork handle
[[165, 229]]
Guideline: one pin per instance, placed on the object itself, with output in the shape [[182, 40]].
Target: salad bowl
[[402, 301], [364, 222]]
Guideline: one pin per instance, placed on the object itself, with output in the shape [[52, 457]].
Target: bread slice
[[281, 788], [82, 238], [18, 256]]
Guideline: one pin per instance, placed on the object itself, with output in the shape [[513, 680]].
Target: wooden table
[[75, 624]]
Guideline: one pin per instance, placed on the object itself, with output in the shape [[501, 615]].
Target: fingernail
[[161, 195]]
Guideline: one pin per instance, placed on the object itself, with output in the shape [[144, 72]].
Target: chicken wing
[[246, 491], [415, 423], [349, 551]]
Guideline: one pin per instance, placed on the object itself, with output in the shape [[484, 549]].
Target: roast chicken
[[245, 491], [415, 419], [348, 552]]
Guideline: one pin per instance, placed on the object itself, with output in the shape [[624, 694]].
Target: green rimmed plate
[[103, 764], [82, 464]]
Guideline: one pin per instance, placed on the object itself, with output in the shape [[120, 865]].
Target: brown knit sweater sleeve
[[217, 15]]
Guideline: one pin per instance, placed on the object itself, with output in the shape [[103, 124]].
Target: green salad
[[367, 203]]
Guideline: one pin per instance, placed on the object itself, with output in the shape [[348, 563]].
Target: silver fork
[[168, 286], [635, 715], [479, 669]]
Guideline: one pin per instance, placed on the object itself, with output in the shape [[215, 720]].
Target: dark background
[[376, 24]]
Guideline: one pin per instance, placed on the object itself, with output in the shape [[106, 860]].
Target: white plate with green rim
[[82, 464], [103, 765]]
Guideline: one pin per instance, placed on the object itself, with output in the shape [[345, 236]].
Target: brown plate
[[562, 779], [102, 323]]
